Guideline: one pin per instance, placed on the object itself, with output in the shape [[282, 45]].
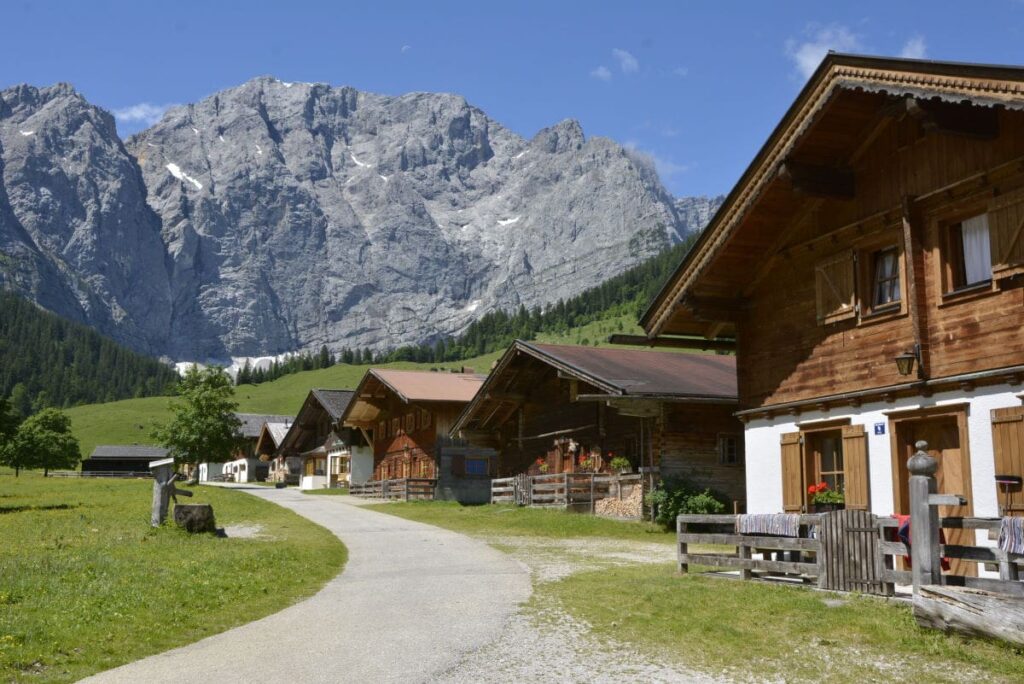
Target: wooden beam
[[674, 342], [818, 181], [948, 117], [514, 397]]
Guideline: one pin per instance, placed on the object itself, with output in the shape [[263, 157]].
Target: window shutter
[[458, 465], [1007, 443], [855, 466], [835, 288], [1005, 226], [792, 473]]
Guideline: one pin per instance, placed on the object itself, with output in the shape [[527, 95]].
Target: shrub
[[674, 497]]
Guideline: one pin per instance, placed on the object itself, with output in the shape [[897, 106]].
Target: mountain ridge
[[276, 217]]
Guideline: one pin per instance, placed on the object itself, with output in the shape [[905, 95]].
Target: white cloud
[[405, 48], [681, 72], [602, 73], [807, 55], [627, 62], [914, 48], [143, 112]]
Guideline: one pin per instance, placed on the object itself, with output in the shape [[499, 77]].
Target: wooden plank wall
[[787, 356]]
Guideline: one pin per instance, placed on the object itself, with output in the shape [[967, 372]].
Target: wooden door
[[953, 476]]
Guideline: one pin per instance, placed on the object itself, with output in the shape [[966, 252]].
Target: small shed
[[118, 459]]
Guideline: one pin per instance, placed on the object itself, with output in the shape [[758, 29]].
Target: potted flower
[[621, 465], [585, 464], [825, 499], [542, 466]]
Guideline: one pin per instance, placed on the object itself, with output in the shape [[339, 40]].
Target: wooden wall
[[687, 442], [787, 355], [390, 458]]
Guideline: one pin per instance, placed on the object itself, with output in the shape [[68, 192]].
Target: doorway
[[946, 438]]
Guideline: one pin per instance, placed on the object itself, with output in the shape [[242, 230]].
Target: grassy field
[[86, 584], [508, 520], [131, 421], [333, 491], [744, 630]]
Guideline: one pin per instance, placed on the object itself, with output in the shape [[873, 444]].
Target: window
[[477, 466], [396, 426], [827, 455], [728, 450], [886, 268], [968, 253], [410, 422], [424, 419]]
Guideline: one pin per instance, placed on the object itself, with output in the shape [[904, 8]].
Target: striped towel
[[1011, 535], [777, 524]]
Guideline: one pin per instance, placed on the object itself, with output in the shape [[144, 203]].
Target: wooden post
[[743, 551], [681, 547], [592, 507], [924, 519]]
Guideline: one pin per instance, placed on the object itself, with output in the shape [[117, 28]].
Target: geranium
[[822, 494]]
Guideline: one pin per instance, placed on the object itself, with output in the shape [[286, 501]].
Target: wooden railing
[[1009, 564], [559, 489], [779, 555], [404, 489]]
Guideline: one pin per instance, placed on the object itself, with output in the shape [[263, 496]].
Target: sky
[[697, 86]]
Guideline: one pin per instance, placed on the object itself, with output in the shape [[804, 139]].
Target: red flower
[[812, 489]]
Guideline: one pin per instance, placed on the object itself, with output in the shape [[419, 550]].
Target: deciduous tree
[[205, 427], [43, 440]]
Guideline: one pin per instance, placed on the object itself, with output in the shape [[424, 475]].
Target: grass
[[333, 491], [752, 629], [86, 584], [131, 421], [507, 520], [747, 630]]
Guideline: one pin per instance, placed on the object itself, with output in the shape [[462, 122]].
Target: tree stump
[[195, 517]]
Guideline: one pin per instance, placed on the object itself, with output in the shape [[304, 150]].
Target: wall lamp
[[905, 361]]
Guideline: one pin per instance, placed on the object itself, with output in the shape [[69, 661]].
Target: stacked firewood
[[630, 506]]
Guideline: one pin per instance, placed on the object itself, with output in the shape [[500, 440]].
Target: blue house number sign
[[879, 428]]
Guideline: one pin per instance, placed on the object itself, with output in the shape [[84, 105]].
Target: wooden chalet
[[318, 451], [868, 268], [406, 417], [550, 409]]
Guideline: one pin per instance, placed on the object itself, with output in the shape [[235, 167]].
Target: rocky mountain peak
[[277, 216]]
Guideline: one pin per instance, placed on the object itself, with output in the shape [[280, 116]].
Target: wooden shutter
[[835, 287], [1008, 443], [1005, 228], [792, 473], [855, 466]]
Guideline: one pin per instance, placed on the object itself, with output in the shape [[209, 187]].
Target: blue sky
[[698, 86]]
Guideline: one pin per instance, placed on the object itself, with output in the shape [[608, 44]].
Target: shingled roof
[[252, 423], [334, 401]]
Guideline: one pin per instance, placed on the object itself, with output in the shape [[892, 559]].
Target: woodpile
[[631, 505]]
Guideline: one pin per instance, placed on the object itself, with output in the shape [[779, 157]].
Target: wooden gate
[[849, 552], [521, 487]]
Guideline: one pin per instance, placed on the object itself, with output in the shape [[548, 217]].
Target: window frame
[[867, 251], [737, 453], [944, 226]]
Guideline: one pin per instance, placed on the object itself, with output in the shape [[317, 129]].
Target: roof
[[277, 431], [633, 372], [410, 386], [334, 401], [616, 373], [252, 423], [429, 385], [134, 452], [861, 76]]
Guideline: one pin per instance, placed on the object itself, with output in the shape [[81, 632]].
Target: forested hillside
[[48, 361]]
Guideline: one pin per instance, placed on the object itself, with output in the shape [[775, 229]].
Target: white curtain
[[977, 252]]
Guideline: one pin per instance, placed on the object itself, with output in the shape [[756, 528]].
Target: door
[[953, 476]]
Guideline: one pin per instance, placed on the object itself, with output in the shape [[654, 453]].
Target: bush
[[674, 497]]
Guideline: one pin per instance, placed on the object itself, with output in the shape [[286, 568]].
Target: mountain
[[280, 216], [696, 212]]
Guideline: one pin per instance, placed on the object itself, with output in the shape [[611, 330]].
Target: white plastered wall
[[763, 452]]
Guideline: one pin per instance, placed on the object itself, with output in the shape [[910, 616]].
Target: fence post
[[924, 519], [681, 547], [407, 489], [592, 507]]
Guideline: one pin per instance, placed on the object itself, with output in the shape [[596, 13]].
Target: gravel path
[[413, 602]]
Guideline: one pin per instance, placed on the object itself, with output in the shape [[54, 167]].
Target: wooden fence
[[564, 490], [99, 473], [405, 489]]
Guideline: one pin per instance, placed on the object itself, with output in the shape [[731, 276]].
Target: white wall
[[763, 452], [362, 464], [248, 475], [313, 482], [208, 471]]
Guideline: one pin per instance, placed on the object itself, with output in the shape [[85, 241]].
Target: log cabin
[[406, 417], [549, 408], [868, 269], [318, 451]]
